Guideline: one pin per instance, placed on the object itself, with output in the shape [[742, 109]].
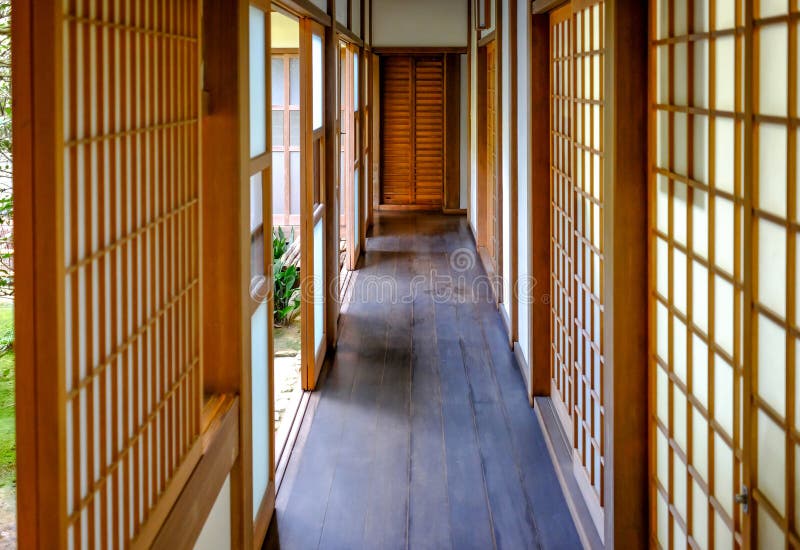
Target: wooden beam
[[419, 50], [625, 238], [349, 36], [546, 6]]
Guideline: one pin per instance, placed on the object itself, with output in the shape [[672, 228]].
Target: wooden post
[[39, 264], [539, 197], [331, 175], [625, 234], [225, 200]]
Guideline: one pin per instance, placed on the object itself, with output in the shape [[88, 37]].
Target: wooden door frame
[[413, 54], [348, 185], [492, 263], [311, 211]]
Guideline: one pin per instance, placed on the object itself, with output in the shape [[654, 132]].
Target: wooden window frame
[[287, 218]]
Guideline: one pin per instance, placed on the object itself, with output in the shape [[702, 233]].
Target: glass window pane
[[277, 81], [277, 129], [355, 82], [317, 78], [294, 161], [294, 128], [319, 284], [278, 184], [294, 81], [259, 333], [258, 78], [256, 204]]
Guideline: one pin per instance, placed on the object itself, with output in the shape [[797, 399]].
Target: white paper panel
[[700, 443], [772, 462], [723, 474], [724, 233], [725, 69], [772, 162], [700, 369], [772, 364], [724, 154], [772, 67], [772, 266]]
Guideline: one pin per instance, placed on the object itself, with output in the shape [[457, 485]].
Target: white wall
[[420, 23], [321, 4], [341, 11], [285, 31]]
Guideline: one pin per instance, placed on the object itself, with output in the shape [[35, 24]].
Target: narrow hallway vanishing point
[[421, 435]]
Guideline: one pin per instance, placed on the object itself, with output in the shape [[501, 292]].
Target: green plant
[[6, 338], [6, 191], [287, 280], [280, 243], [287, 295]]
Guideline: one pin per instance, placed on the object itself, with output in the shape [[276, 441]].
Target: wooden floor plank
[[423, 436]]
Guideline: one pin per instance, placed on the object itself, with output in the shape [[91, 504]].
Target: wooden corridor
[[421, 435]]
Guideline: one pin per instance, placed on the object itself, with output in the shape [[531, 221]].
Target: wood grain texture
[[412, 131], [423, 435]]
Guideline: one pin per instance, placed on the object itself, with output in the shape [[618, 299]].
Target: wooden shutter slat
[[412, 144]]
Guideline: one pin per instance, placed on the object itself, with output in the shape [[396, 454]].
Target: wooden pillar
[[452, 154], [625, 275], [513, 172], [38, 146], [225, 199], [539, 200], [332, 303]]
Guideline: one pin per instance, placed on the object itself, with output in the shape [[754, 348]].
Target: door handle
[[743, 499]]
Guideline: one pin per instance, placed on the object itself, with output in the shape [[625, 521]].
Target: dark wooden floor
[[422, 436]]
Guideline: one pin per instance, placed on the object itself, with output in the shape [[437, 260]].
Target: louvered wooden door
[[412, 126]]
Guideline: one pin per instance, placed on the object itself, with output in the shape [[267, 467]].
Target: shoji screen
[[131, 229], [698, 269], [577, 251], [774, 419]]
